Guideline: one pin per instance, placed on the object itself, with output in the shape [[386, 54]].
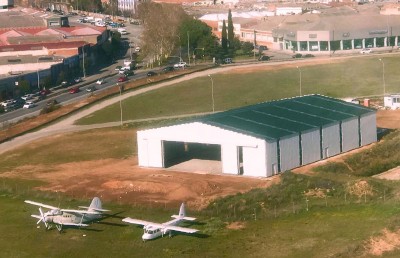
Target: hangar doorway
[[185, 156]]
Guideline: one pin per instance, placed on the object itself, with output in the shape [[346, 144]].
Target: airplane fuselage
[[65, 218], [151, 232]]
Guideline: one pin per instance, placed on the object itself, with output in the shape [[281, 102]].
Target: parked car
[[151, 73], [122, 79], [45, 92], [264, 58], [74, 90], [228, 60], [100, 81], [180, 65], [118, 68], [365, 51], [298, 55], [308, 55], [91, 88], [122, 31], [137, 49], [29, 104], [77, 79], [168, 69], [27, 97]]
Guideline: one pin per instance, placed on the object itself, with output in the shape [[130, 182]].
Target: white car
[[29, 104], [122, 31], [137, 49], [27, 97], [366, 51], [180, 65], [100, 81]]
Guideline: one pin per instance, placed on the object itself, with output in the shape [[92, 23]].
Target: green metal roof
[[282, 118]]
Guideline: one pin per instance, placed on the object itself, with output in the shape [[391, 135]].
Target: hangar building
[[263, 139]]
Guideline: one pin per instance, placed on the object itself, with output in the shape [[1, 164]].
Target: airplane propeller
[[42, 217]]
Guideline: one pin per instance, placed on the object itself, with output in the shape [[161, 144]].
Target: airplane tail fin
[[182, 214], [95, 205]]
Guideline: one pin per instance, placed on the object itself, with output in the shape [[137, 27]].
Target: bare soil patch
[[387, 241], [125, 182], [237, 225]]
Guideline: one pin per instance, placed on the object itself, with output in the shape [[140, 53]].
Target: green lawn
[[338, 231], [351, 78]]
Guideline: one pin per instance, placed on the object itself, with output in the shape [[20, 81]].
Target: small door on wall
[[274, 169], [326, 153], [240, 160]]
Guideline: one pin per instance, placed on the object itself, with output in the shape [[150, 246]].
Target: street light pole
[[120, 100], [188, 47], [383, 77], [299, 78], [212, 93], [180, 48]]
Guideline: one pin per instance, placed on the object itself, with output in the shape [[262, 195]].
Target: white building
[[264, 139], [127, 5], [392, 101], [5, 4]]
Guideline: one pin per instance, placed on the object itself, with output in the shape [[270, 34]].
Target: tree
[[231, 34], [224, 40], [247, 47], [160, 37], [200, 35]]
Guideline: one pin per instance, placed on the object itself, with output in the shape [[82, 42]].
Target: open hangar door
[[184, 152]]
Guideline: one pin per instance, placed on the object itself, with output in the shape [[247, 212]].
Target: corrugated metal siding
[[368, 128], [271, 159], [289, 152], [331, 140], [350, 136], [150, 153], [310, 145]]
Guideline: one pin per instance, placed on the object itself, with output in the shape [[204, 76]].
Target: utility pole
[[188, 47]]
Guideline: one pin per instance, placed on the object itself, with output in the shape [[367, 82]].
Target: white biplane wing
[[42, 205], [80, 211]]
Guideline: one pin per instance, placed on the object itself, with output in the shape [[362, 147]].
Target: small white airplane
[[153, 230], [66, 217]]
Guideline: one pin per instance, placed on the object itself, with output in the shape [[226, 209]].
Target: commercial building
[[264, 139], [320, 29]]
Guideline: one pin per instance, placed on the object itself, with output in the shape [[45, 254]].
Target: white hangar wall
[[264, 139], [151, 150]]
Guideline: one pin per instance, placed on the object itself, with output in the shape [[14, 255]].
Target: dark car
[[168, 69], [264, 58], [298, 55], [74, 90], [45, 92], [151, 73], [122, 79]]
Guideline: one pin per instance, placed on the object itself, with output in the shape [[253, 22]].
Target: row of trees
[[169, 31]]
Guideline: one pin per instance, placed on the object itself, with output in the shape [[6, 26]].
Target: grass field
[[351, 77], [281, 221], [332, 231]]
